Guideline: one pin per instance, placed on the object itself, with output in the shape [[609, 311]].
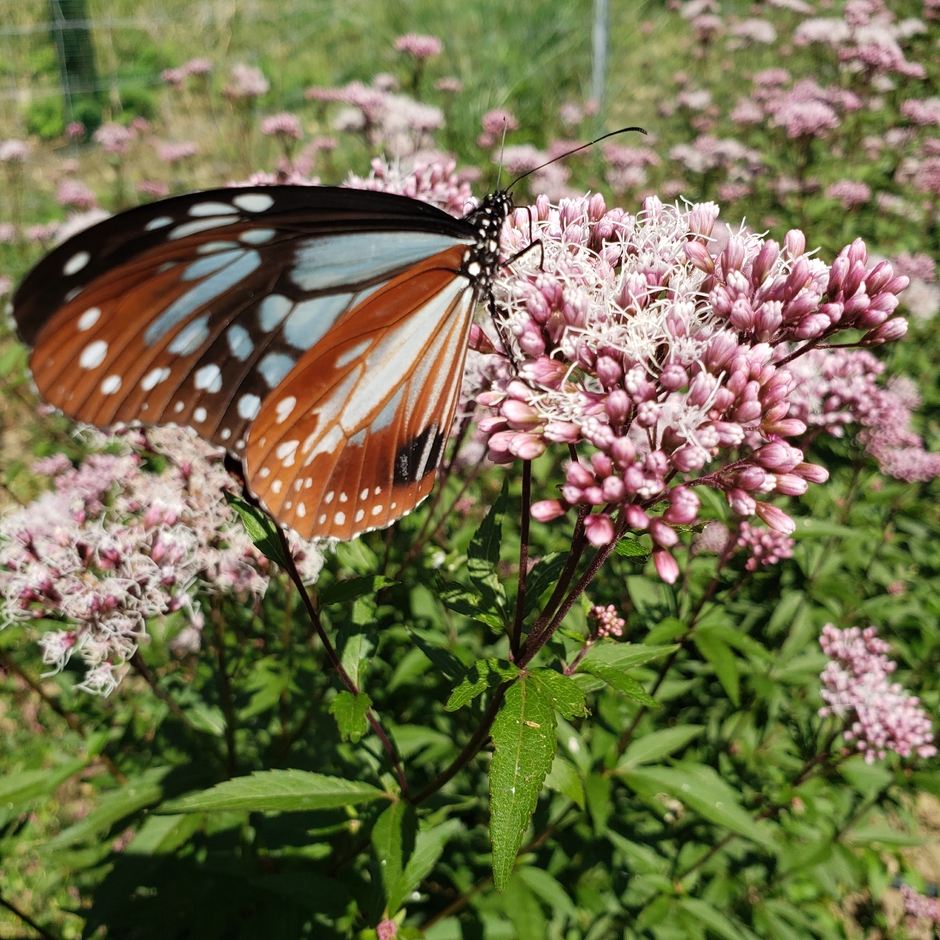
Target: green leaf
[[549, 889], [630, 548], [162, 834], [524, 740], [281, 790], [623, 683], [357, 639], [268, 682], [719, 656], [260, 528], [342, 592], [544, 574], [883, 834], [393, 838], [483, 674], [597, 791], [701, 789], [565, 696], [469, 603], [563, 778], [483, 557], [624, 656], [445, 661], [113, 806], [428, 847], [350, 713], [524, 911], [714, 920], [23, 785], [658, 744]]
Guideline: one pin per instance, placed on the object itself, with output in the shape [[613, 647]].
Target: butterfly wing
[[351, 439], [213, 310]]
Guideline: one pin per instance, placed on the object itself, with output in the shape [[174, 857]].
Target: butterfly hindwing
[[379, 397]]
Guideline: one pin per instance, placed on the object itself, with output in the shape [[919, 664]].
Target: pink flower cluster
[[114, 138], [13, 151], [75, 193], [284, 124], [919, 906], [112, 546], [168, 152], [766, 547], [397, 123], [246, 82], [628, 336], [836, 388], [419, 46], [880, 715], [176, 77], [607, 622]]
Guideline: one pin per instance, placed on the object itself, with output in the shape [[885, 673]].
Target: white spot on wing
[[311, 319], [339, 518], [225, 434], [272, 310], [376, 510], [360, 513], [153, 378], [191, 337], [161, 221], [239, 342], [285, 452], [179, 406], [253, 202], [301, 510], [209, 378], [212, 263], [200, 415], [111, 385], [201, 209], [199, 225], [276, 486], [274, 366], [93, 354], [88, 319], [257, 236], [76, 263], [284, 407], [248, 407]]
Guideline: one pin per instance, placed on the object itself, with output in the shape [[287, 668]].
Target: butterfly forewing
[[321, 332]]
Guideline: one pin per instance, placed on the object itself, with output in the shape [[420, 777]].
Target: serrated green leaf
[[267, 683], [630, 548], [524, 740], [350, 713], [549, 889], [523, 911], [342, 592], [658, 744], [479, 676], [566, 698], [563, 778], [113, 806], [26, 785], [465, 601], [701, 789], [719, 656], [544, 574], [357, 641], [281, 790], [393, 838], [260, 528], [205, 717]]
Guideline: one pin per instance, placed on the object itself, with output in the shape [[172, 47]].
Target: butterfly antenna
[[568, 153]]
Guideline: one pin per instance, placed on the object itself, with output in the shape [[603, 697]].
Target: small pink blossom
[[386, 930], [114, 138], [13, 151], [919, 906], [75, 130], [419, 46], [168, 152], [198, 66], [851, 193], [607, 622], [246, 81], [283, 124]]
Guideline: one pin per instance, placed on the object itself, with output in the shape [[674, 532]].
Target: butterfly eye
[[318, 334]]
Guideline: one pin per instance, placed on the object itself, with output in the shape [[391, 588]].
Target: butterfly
[[317, 333]]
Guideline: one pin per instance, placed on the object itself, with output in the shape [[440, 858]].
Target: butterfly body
[[317, 333]]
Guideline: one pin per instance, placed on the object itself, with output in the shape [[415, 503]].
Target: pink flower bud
[[888, 332], [579, 475], [599, 529], [547, 510], [698, 255], [775, 517], [812, 473], [608, 371], [617, 405], [637, 518], [663, 535], [613, 489], [666, 566], [684, 508], [789, 484]]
